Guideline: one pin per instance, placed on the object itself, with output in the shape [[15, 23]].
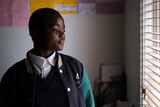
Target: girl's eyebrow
[[58, 25]]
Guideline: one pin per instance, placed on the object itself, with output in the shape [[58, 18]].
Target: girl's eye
[[55, 30]]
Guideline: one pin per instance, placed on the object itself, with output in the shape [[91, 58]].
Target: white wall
[[14, 43], [93, 39], [132, 50]]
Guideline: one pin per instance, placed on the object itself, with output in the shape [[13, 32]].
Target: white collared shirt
[[42, 66]]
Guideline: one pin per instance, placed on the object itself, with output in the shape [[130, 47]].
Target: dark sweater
[[17, 84], [50, 92]]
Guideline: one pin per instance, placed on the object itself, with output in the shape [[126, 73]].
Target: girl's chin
[[59, 48]]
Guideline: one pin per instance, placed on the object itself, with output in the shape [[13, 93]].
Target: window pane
[[150, 49]]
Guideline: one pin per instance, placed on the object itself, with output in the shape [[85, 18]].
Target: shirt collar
[[41, 61], [29, 63], [52, 59]]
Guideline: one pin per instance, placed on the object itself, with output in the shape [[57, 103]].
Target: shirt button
[[68, 89], [60, 71]]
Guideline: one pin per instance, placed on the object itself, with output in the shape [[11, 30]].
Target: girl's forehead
[[58, 22]]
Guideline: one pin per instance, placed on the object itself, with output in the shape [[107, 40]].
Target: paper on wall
[[14, 13], [63, 6]]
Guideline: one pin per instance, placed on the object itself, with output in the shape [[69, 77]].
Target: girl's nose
[[62, 35]]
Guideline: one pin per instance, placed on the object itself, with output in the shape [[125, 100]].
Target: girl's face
[[54, 36]]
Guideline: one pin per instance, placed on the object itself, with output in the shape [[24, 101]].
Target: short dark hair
[[42, 18]]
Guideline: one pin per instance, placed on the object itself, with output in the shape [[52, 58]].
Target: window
[[150, 52]]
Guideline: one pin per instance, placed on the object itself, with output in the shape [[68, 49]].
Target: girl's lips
[[61, 41]]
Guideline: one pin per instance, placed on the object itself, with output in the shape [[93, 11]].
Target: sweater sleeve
[[87, 90], [4, 91]]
